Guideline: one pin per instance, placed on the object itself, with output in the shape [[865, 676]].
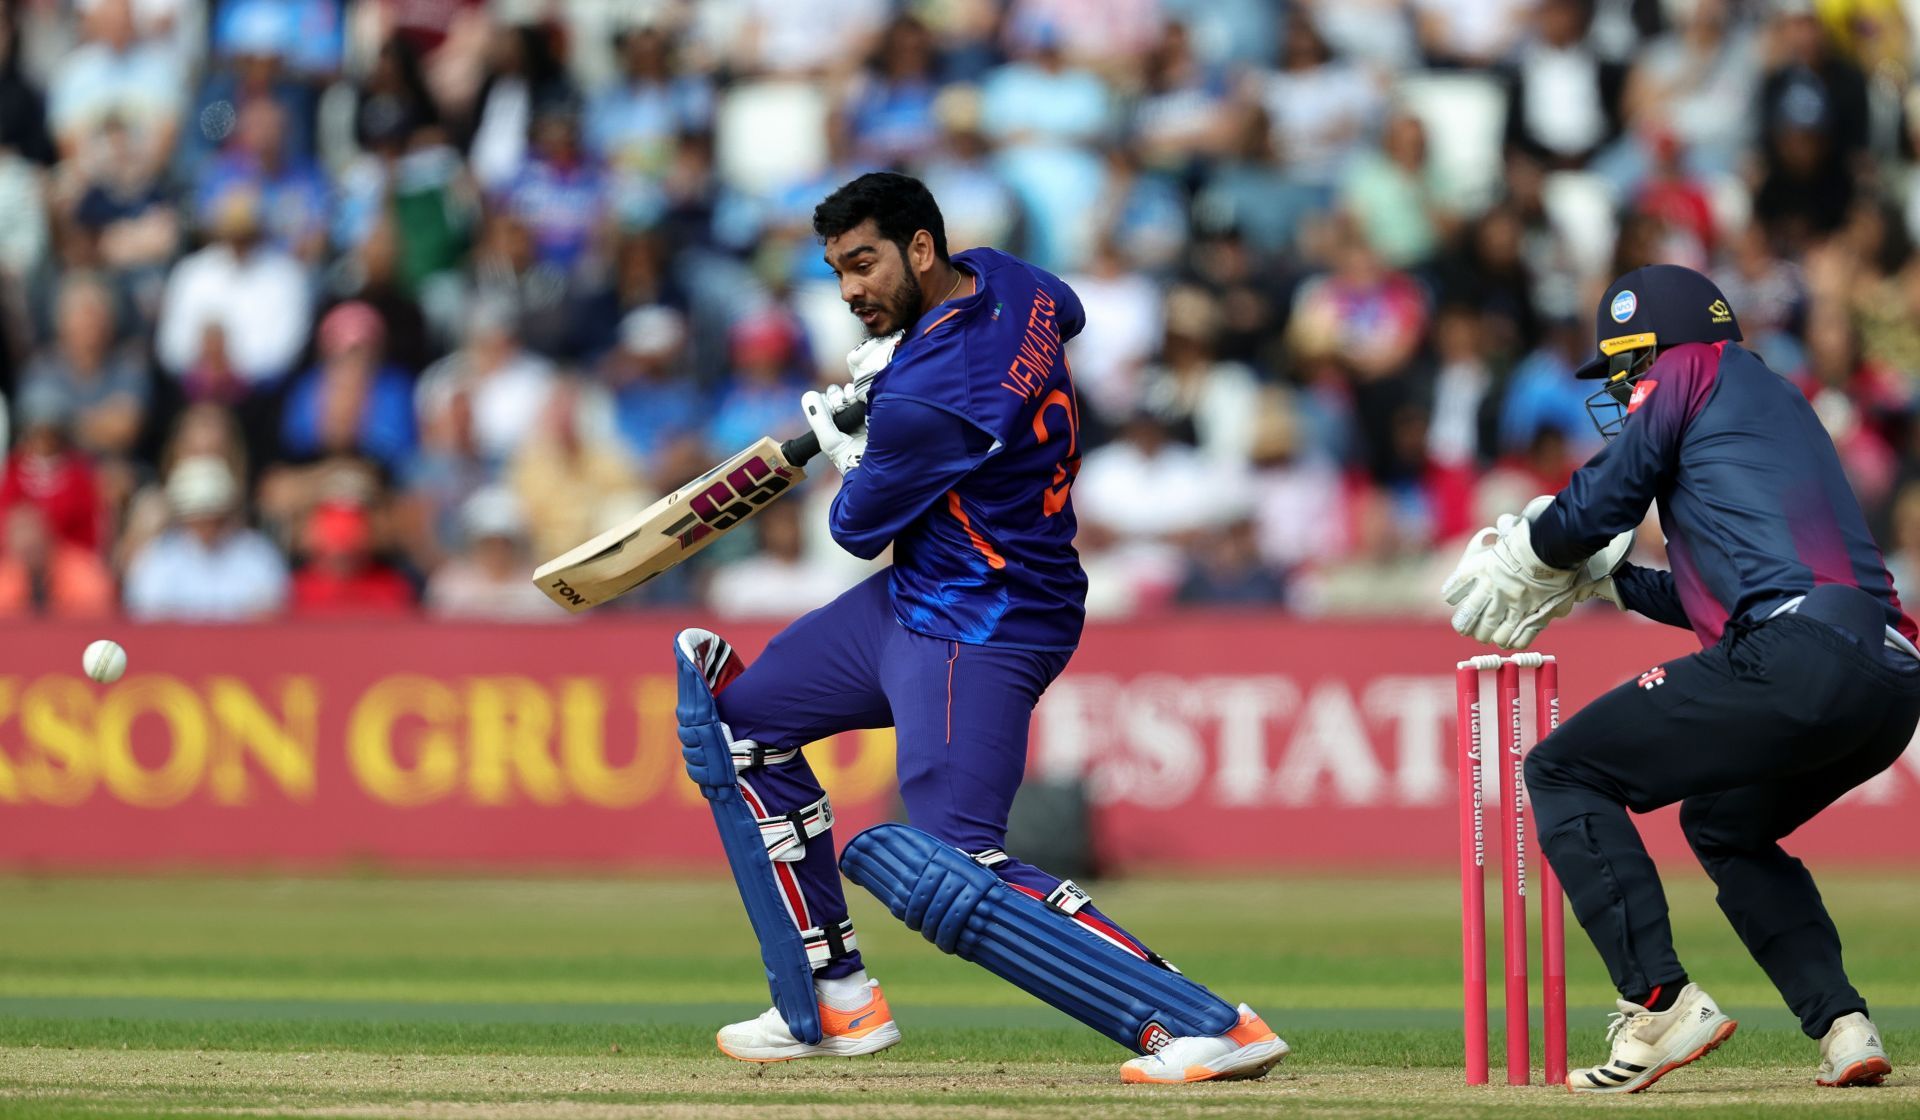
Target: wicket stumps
[[1512, 817]]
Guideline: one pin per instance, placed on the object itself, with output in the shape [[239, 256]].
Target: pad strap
[[749, 755], [829, 943], [786, 834]]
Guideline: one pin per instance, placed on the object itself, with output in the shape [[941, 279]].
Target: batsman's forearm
[[803, 447], [1651, 592]]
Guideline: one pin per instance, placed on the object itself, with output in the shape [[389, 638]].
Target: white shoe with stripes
[[1648, 1045], [1851, 1053]]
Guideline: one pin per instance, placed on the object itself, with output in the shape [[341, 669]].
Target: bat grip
[[800, 448]]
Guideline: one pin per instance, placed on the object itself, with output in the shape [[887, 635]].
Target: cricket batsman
[[964, 468], [1807, 685]]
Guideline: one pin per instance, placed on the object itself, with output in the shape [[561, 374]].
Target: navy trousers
[[1753, 737], [960, 715]]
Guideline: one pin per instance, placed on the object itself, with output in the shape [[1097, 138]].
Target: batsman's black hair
[[900, 206]]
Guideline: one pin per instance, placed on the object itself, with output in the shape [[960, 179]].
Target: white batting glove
[[865, 361], [842, 448]]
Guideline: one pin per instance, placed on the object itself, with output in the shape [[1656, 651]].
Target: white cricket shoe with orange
[[1851, 1053], [866, 1029], [1246, 1052], [1648, 1045]]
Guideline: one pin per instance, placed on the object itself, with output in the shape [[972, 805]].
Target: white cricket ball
[[104, 661]]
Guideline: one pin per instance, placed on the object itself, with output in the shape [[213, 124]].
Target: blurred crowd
[[325, 307]]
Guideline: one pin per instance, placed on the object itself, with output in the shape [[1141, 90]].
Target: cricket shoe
[[1851, 1053], [1648, 1045], [843, 1034], [1244, 1053]]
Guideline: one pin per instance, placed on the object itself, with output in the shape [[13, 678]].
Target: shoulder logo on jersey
[[1720, 311], [1624, 305], [1653, 678], [1641, 391]]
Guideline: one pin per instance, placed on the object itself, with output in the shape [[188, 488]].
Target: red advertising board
[[1209, 742]]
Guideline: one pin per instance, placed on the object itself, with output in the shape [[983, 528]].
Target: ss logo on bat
[[731, 500]]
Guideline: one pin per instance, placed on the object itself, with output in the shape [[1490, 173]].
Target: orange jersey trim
[[980, 543]]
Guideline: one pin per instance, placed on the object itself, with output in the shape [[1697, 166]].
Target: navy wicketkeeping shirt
[[1752, 498]]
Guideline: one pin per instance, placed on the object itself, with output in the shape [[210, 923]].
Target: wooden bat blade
[[670, 530]]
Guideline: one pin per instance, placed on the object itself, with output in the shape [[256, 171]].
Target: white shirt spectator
[[1320, 115], [142, 87], [260, 300], [179, 577], [1124, 313], [505, 398]]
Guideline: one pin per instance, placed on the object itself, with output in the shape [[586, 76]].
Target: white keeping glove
[[865, 361], [1504, 586], [842, 448]]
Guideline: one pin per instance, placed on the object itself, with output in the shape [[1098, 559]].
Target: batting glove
[[843, 449]]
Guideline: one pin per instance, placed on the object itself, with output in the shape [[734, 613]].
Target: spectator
[[1046, 114], [571, 475], [502, 384], [1124, 312], [119, 76], [292, 192], [342, 577], [560, 194], [632, 126], [976, 202], [256, 37], [769, 374], [889, 109], [1682, 83], [207, 567], [1210, 404], [42, 576], [653, 402], [488, 579], [523, 78], [1250, 194], [777, 581], [46, 471], [1322, 110], [1140, 497], [101, 385], [354, 401], [1181, 117], [1565, 100], [447, 470], [236, 313], [23, 111], [1224, 569], [1394, 198], [122, 219]]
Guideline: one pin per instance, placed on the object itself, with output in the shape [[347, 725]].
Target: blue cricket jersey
[[973, 444], [1752, 498]]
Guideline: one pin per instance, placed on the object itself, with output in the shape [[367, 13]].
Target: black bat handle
[[800, 448]]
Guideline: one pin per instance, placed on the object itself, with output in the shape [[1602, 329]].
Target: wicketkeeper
[[1808, 684], [965, 470]]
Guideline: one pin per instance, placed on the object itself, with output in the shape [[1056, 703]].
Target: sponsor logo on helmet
[[1720, 311], [1653, 678], [1624, 305]]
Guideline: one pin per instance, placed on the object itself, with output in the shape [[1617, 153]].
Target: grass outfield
[[348, 997]]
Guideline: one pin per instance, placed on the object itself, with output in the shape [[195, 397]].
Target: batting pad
[[966, 910], [709, 753]]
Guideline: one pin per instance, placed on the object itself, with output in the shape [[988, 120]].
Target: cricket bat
[[682, 523]]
